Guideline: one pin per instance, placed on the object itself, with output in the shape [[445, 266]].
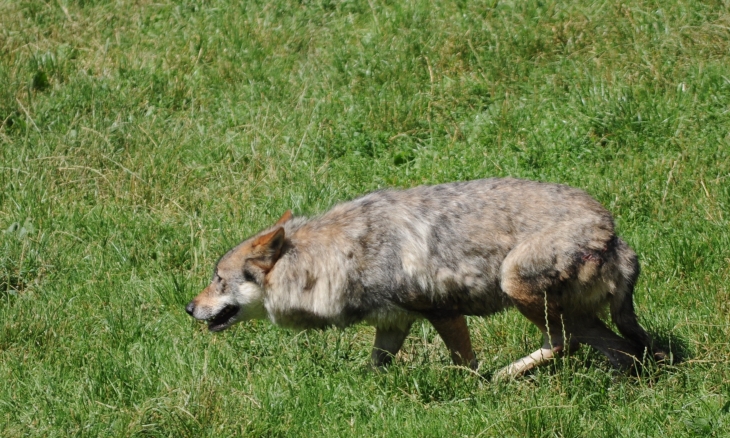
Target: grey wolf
[[442, 252]]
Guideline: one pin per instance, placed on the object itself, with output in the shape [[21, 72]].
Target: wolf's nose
[[190, 308]]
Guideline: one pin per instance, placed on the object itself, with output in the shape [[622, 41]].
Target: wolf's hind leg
[[387, 344], [536, 275], [455, 333], [622, 353], [546, 315], [550, 349]]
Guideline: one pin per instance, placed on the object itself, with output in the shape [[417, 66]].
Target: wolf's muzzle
[[220, 321]]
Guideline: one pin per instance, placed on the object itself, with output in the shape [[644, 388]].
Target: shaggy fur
[[441, 252]]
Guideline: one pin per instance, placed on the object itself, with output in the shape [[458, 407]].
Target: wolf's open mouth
[[224, 318]]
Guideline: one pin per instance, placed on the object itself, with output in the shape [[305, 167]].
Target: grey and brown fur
[[441, 252]]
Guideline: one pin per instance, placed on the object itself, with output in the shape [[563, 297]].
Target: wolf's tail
[[622, 302]]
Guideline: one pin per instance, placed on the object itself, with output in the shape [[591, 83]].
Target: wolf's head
[[236, 292]]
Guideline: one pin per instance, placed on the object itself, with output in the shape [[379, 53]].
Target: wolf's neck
[[306, 288]]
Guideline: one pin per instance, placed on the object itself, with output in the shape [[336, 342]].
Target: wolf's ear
[[267, 248], [286, 217]]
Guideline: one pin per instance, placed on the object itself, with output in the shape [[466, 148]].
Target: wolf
[[441, 253]]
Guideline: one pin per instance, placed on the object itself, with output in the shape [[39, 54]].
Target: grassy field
[[141, 139]]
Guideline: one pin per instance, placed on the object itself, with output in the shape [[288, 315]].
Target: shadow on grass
[[676, 348], [11, 286]]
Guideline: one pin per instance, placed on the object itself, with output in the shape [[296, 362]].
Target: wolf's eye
[[248, 276]]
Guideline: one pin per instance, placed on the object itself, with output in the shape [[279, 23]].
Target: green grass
[[139, 140]]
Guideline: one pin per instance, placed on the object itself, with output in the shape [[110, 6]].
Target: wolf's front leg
[[455, 333], [387, 344]]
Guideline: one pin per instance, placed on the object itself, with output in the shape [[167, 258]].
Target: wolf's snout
[[190, 308]]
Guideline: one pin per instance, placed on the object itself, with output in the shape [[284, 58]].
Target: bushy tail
[[622, 302]]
